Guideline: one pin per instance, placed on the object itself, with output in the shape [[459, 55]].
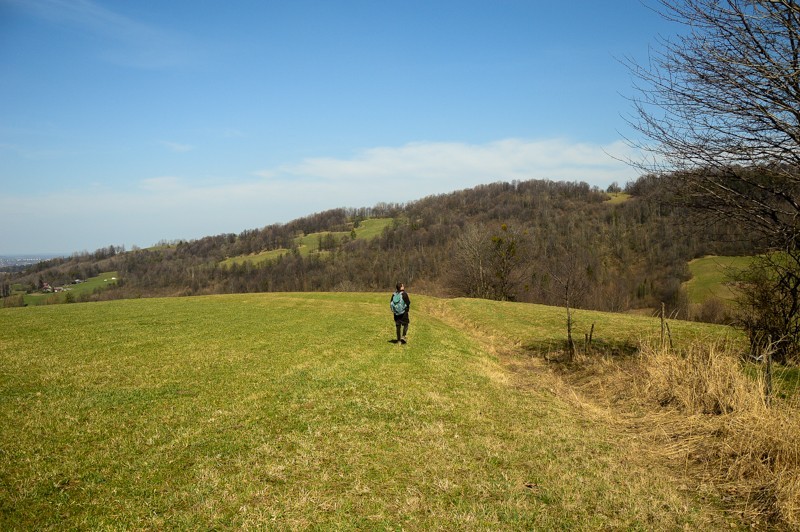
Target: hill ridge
[[622, 255]]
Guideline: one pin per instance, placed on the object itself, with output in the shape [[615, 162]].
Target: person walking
[[400, 303]]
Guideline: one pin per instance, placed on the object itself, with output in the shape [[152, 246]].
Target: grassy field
[[255, 258], [74, 290], [710, 277], [372, 227], [295, 411]]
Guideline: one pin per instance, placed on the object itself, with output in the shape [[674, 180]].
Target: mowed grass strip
[[255, 258], [296, 411]]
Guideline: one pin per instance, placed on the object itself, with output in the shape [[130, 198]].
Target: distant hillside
[[519, 241]]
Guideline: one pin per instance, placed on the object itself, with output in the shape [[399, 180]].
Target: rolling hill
[[626, 251]]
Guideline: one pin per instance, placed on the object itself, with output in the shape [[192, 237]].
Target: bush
[[712, 310], [769, 304]]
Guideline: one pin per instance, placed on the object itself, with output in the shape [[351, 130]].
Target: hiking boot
[[403, 340]]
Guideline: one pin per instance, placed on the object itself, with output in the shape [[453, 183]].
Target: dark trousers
[[401, 322], [404, 326]]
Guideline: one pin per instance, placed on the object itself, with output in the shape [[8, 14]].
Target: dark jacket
[[403, 318]]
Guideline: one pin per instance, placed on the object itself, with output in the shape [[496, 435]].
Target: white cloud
[[232, 133], [179, 207], [445, 165]]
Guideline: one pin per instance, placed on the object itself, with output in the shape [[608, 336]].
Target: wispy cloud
[[167, 184], [232, 133], [30, 153], [447, 165], [128, 42], [176, 146]]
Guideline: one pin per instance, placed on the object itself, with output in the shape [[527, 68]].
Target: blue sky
[[127, 123]]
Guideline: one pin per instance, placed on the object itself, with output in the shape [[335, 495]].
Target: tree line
[[529, 241]]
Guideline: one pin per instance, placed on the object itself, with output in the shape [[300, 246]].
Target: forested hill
[[533, 241]]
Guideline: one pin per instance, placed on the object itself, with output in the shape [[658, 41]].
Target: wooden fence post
[[768, 374], [589, 340]]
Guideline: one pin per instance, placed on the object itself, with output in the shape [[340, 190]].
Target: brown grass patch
[[704, 412]]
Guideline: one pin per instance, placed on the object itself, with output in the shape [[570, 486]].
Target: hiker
[[400, 303]]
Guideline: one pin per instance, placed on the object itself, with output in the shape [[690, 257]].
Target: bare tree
[[470, 270], [489, 264], [509, 261], [719, 108], [569, 274], [720, 104]]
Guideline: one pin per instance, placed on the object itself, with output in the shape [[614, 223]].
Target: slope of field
[[710, 277], [74, 291], [616, 198], [296, 411]]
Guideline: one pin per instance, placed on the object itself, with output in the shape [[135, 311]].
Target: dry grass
[[703, 410]]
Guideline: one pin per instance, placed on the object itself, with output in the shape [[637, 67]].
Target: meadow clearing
[[309, 244], [711, 277], [295, 411]]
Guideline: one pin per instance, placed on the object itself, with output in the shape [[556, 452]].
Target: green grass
[[710, 277], [75, 290], [287, 411], [372, 227], [542, 328], [309, 244], [618, 197], [255, 258], [786, 381]]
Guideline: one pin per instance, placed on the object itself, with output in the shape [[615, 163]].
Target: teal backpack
[[398, 304]]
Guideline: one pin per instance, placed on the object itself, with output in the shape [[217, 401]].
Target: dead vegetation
[[704, 411]]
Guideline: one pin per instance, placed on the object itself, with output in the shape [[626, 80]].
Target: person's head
[[400, 287]]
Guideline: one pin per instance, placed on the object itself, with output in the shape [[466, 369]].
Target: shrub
[[17, 300]]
